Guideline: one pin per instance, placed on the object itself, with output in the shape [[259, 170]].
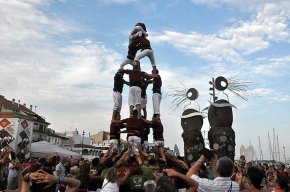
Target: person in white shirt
[[112, 182], [60, 172], [222, 168], [12, 176]]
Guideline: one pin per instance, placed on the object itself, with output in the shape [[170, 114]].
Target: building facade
[[17, 124]]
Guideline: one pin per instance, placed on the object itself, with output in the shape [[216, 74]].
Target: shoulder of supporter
[[208, 185], [58, 167]]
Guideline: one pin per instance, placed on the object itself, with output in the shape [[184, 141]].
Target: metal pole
[[274, 146], [278, 151], [83, 141], [261, 151], [213, 90], [284, 155], [270, 147]]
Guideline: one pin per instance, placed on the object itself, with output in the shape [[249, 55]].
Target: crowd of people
[[144, 171]]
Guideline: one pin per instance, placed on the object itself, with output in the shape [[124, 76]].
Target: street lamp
[[83, 141], [284, 154]]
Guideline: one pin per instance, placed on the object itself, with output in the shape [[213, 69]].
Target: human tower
[[137, 126]]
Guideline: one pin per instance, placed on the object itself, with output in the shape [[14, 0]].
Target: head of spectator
[[149, 186], [280, 167], [62, 160], [112, 175], [271, 168], [202, 172], [256, 178], [83, 175], [37, 165], [281, 183], [95, 162], [242, 161], [248, 165], [265, 166], [224, 167], [164, 183], [260, 166], [74, 171], [41, 161]]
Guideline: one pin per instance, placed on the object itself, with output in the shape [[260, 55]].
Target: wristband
[[60, 180]]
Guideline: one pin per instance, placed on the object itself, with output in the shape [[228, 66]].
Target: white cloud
[[270, 94], [275, 67], [269, 25], [206, 46], [62, 81], [22, 23], [245, 4], [232, 43]]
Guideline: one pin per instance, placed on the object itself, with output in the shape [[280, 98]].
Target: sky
[[61, 56]]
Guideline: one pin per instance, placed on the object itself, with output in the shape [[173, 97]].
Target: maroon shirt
[[134, 126], [115, 129], [135, 77], [144, 43]]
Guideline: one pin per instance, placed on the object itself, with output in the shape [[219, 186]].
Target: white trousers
[[149, 53], [143, 102], [134, 96], [126, 62], [115, 143], [117, 101], [156, 99]]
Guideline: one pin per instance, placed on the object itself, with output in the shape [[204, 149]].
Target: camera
[[207, 153]]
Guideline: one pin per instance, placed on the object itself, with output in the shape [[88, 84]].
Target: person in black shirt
[[156, 97], [144, 85], [117, 95]]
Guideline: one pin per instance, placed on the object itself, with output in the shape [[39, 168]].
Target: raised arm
[[123, 179], [192, 184], [138, 156], [43, 177], [196, 166], [126, 82]]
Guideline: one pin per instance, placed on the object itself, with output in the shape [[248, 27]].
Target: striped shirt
[[219, 184]]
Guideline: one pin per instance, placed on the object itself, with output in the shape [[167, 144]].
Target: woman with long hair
[[84, 176], [280, 183]]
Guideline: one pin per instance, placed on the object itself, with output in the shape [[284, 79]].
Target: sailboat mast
[[278, 148], [270, 147], [274, 145], [260, 148]]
